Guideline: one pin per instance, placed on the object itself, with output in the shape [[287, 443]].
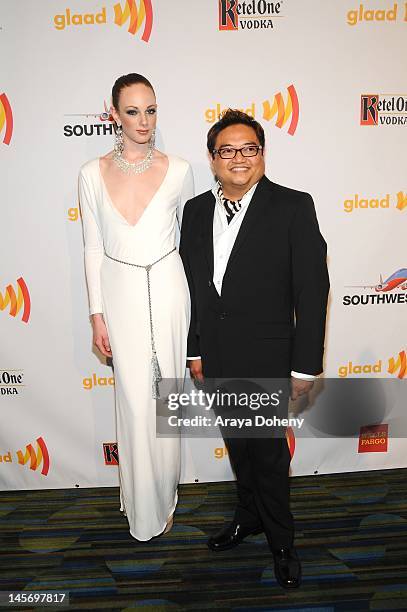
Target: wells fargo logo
[[278, 110], [247, 14], [358, 202], [396, 366], [388, 291], [6, 119], [390, 15], [129, 13], [111, 453], [17, 302], [373, 438], [34, 458], [97, 381], [383, 109]]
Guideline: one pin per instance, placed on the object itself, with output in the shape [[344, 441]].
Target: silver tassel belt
[[155, 366]]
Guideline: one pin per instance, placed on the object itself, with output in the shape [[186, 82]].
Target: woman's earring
[[119, 143], [152, 139]]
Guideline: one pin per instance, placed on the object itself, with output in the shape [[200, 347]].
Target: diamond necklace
[[134, 167]]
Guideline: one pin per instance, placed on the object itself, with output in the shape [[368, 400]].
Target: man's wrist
[[302, 376]]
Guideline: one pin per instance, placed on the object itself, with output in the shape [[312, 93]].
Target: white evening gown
[[149, 467]]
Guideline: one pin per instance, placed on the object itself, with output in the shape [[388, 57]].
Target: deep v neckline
[[116, 210]]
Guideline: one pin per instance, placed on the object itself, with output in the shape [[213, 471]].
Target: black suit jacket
[[270, 317]]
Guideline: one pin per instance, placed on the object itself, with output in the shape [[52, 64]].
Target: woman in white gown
[[132, 200]]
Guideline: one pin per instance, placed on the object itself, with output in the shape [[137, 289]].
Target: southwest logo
[[383, 109], [104, 128], [18, 301], [397, 279], [111, 453], [392, 288], [35, 457], [373, 438], [398, 366], [6, 118], [283, 110], [135, 17]]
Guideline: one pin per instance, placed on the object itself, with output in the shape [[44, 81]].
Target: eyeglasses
[[230, 152]]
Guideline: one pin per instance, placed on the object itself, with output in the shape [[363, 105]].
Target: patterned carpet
[[351, 537]]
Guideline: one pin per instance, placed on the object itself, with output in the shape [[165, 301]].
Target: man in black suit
[[256, 267]]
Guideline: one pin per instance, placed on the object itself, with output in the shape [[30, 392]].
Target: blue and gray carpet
[[351, 537]]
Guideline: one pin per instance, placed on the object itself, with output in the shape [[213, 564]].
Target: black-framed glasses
[[230, 152]]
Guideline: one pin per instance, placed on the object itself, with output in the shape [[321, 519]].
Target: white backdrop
[[59, 61]]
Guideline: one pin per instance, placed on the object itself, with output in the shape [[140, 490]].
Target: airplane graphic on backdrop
[[396, 280], [105, 116]]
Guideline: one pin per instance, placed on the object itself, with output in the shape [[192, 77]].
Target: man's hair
[[233, 117]]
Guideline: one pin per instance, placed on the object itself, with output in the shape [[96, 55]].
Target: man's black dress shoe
[[231, 536], [287, 568]]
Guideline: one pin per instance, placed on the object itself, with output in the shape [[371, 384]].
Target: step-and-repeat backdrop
[[327, 80]]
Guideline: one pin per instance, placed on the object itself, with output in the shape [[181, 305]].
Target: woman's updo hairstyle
[[126, 81]]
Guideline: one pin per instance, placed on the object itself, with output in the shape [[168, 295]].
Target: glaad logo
[[35, 457], [6, 118], [11, 382], [95, 381], [396, 281], [247, 14], [104, 128], [373, 438], [397, 367], [135, 17], [401, 200], [383, 109], [283, 111], [129, 12], [18, 301], [379, 15], [361, 203]]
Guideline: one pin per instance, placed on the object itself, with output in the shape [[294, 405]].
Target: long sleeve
[[94, 250], [193, 339], [187, 192], [311, 286]]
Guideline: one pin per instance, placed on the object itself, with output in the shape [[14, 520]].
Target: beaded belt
[[155, 366]]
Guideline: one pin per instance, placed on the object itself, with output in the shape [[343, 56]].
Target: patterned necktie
[[231, 207]]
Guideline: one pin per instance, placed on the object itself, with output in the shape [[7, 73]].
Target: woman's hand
[[100, 335]]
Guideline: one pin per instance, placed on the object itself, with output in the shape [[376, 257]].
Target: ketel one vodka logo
[[248, 14]]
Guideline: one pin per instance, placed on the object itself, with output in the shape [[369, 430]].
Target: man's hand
[[299, 386], [195, 368]]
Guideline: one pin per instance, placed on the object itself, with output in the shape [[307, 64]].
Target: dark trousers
[[261, 466]]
